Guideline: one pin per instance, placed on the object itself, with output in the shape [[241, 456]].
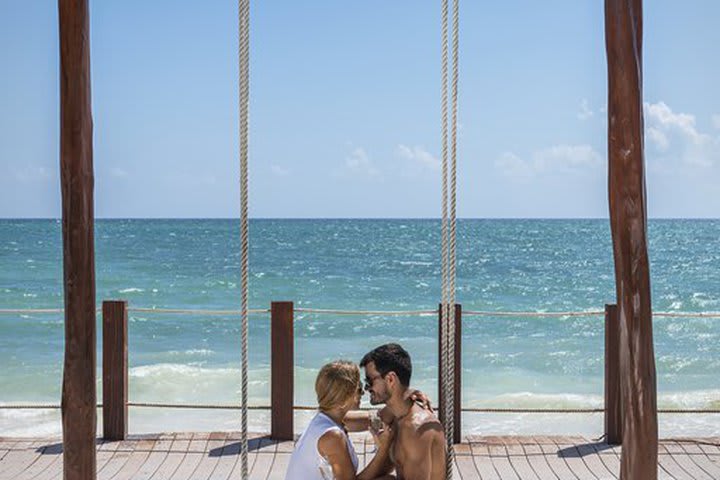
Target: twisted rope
[[244, 98], [220, 406], [453, 224], [447, 324], [444, 237], [323, 311]]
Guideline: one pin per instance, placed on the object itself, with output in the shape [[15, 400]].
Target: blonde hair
[[336, 383]]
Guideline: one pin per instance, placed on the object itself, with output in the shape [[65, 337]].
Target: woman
[[324, 450]]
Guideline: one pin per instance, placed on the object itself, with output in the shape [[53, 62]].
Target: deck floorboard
[[216, 456]]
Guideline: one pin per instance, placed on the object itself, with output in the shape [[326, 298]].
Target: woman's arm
[[380, 464], [357, 420], [333, 446]]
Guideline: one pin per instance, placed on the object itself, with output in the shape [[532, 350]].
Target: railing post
[[282, 363], [115, 370], [613, 406], [457, 404]]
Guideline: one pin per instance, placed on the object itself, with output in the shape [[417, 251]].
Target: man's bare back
[[418, 451]]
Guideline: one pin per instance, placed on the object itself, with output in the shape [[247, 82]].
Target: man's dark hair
[[390, 357]]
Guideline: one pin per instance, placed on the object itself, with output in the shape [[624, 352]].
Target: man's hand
[[419, 397]]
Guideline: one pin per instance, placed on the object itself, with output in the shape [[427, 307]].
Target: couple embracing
[[408, 436]]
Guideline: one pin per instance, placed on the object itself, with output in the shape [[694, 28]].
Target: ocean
[[503, 265]]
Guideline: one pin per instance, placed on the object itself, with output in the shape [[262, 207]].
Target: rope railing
[[211, 406], [327, 311]]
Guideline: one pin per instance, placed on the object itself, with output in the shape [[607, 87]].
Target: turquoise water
[[528, 265]]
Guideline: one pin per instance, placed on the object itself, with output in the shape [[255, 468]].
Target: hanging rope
[[244, 98], [447, 325]]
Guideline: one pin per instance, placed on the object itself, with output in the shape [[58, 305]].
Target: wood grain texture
[[628, 223], [203, 456], [79, 416]]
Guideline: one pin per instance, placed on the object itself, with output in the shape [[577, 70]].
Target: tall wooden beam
[[457, 379], [613, 400], [115, 369], [282, 377], [628, 223], [79, 416]]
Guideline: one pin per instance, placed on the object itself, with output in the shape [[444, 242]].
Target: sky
[[345, 109]]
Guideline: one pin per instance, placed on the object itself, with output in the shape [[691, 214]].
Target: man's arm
[[425, 455], [359, 420]]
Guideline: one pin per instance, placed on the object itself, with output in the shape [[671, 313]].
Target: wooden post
[[613, 406], [115, 370], [282, 376], [457, 404], [79, 397], [628, 224]]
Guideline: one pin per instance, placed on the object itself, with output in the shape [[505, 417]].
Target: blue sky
[[345, 109]]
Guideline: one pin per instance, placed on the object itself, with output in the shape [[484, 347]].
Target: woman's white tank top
[[306, 462]]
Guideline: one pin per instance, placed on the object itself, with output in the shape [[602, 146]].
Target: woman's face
[[357, 396]]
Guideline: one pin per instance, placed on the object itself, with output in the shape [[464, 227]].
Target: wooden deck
[[177, 456]]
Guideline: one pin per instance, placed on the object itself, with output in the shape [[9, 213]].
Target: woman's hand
[[383, 437], [419, 397]]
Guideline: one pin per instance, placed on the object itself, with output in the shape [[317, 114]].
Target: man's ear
[[392, 380]]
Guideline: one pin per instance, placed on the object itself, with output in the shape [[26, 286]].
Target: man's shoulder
[[423, 423]]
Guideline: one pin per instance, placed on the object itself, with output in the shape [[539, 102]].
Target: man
[[418, 450]]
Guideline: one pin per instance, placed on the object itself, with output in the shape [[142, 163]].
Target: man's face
[[375, 385]]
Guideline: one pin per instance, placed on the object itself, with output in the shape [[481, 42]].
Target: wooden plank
[[53, 471], [493, 458], [105, 452], [698, 456], [466, 467], [115, 370], [280, 464], [262, 465], [79, 416], [518, 459], [499, 458], [117, 461], [175, 456], [677, 452], [21, 457], [609, 459], [42, 460], [556, 463], [208, 463], [5, 447], [157, 455], [229, 458], [193, 455], [613, 410], [483, 464], [137, 459], [282, 347], [537, 461], [574, 459], [670, 466]]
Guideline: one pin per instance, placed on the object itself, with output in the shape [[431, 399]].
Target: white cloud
[[662, 117], [32, 174], [513, 166], [716, 121], [419, 155], [564, 157], [279, 171], [359, 163], [676, 135], [585, 111], [558, 158], [658, 138], [118, 172]]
